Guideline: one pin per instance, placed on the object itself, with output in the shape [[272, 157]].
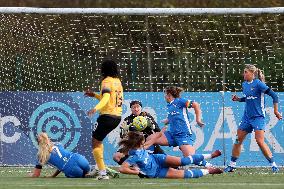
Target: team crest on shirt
[[252, 88]]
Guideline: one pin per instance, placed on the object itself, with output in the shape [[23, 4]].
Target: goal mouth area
[[54, 54]]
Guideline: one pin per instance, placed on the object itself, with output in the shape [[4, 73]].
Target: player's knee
[[259, 141], [98, 152], [238, 141]]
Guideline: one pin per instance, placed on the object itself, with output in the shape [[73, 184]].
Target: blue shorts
[[248, 125], [163, 168], [77, 166], [175, 140]]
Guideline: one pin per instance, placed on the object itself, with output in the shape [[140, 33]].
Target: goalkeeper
[[152, 127]]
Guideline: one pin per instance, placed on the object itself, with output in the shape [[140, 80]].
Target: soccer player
[[254, 89], [180, 133], [110, 108], [73, 165], [152, 127], [159, 165]]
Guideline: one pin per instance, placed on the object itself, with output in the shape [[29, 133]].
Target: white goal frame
[[142, 11]]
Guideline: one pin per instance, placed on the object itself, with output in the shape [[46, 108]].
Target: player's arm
[[239, 99], [264, 88], [124, 127], [197, 110], [236, 98], [104, 100], [36, 172], [102, 103], [97, 96], [90, 93], [152, 139], [126, 169], [155, 125], [55, 174], [274, 96]]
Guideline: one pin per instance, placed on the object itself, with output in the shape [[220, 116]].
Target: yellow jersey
[[114, 88]]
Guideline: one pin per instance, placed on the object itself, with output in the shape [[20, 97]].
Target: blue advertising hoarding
[[63, 116]]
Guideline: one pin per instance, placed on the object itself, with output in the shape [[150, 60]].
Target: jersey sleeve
[[182, 102], [271, 93], [106, 86], [185, 103], [131, 160], [262, 86]]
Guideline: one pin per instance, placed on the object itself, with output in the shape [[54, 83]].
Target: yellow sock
[[98, 154]]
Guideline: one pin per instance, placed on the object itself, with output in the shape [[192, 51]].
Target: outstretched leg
[[173, 161], [193, 173]]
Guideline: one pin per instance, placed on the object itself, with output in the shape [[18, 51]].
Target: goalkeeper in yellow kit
[[110, 110]]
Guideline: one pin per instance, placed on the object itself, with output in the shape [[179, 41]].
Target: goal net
[[48, 58]]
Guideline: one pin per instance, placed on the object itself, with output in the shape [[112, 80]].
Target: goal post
[[142, 11]]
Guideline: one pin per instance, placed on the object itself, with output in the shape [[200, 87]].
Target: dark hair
[[135, 102], [133, 140], [174, 91], [109, 68]]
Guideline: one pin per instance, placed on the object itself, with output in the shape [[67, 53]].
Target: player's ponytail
[[44, 148], [260, 75]]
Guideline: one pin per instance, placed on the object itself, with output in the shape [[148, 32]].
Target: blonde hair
[[44, 148], [258, 73]]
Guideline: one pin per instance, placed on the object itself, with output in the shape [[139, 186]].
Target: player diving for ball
[[126, 126], [159, 165]]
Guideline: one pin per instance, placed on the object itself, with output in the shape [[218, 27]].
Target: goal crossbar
[[141, 11]]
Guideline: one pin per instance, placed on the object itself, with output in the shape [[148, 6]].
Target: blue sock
[[270, 160], [202, 163], [194, 173], [185, 161], [195, 159], [234, 159]]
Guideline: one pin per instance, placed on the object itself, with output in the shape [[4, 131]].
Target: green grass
[[258, 178]]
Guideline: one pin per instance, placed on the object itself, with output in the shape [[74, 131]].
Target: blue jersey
[[59, 157], [145, 161], [254, 97], [178, 116]]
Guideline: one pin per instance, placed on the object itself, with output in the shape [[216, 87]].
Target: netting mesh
[[200, 53]]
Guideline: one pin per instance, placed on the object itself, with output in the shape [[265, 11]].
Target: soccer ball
[[140, 123]]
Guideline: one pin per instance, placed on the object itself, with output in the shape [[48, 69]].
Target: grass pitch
[[243, 178]]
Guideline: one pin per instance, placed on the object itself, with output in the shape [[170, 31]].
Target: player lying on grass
[[127, 125], [159, 165], [73, 165]]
